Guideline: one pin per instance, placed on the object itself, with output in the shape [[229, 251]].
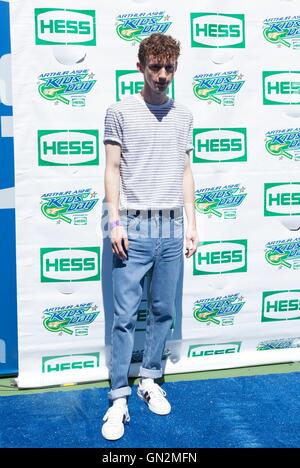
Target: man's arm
[[189, 197], [112, 193]]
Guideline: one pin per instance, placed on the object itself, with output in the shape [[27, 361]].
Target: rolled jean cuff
[[119, 393], [150, 373]]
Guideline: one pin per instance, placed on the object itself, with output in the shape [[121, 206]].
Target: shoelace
[[155, 390], [116, 415]]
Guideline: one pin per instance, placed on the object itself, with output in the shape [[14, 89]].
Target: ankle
[[122, 401], [146, 380]]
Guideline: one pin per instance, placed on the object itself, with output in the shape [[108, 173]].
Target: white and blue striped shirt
[[154, 140]]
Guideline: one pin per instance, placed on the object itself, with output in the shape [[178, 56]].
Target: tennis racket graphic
[[206, 316], [55, 213], [206, 93], [53, 94], [277, 259], [208, 207], [57, 326], [276, 37], [129, 34], [278, 149]]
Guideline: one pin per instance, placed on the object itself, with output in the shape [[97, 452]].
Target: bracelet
[[115, 223]]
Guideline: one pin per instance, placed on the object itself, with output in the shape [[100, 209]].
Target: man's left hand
[[191, 238]]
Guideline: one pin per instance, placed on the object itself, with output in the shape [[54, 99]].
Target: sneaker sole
[[112, 438], [160, 413]]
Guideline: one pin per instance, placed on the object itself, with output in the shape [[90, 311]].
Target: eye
[[155, 67]]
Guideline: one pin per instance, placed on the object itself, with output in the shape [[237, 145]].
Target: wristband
[[115, 223]]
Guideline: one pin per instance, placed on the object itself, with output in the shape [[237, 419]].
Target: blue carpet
[[260, 411]]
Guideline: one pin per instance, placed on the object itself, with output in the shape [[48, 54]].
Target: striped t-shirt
[[154, 140]]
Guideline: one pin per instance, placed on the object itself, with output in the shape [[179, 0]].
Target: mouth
[[162, 85]]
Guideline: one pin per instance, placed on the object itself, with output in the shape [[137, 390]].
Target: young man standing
[[147, 138]]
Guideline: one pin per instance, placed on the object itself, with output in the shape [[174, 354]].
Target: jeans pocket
[[179, 226], [133, 225], [132, 220], [179, 220], [128, 219]]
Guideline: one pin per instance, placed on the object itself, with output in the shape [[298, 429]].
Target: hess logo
[[281, 305], [62, 26], [220, 145], [74, 264], [220, 257], [216, 349], [129, 82], [281, 87], [282, 199], [71, 362], [68, 147], [217, 30]]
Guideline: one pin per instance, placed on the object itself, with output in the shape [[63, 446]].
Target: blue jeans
[[155, 247]]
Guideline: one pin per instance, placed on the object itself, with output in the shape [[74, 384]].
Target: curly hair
[[159, 45]]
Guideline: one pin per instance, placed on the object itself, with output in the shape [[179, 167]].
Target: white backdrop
[[239, 75]]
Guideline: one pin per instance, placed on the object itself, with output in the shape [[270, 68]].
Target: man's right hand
[[119, 242]]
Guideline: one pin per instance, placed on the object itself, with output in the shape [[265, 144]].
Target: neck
[[153, 98]]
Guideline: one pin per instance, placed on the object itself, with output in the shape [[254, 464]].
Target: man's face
[[158, 73]]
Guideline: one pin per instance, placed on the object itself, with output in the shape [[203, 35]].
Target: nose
[[162, 75]]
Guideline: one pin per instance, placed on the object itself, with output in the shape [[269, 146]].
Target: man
[[148, 138]]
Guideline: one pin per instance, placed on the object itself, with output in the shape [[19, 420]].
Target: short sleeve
[[190, 145], [112, 127]]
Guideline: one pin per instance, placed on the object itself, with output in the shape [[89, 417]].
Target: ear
[[140, 67]]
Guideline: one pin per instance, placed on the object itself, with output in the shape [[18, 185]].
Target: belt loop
[[150, 221], [160, 221]]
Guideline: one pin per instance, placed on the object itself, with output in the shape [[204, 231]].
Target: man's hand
[[119, 242], [191, 238]]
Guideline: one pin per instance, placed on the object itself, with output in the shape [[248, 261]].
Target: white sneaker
[[154, 396], [115, 418]]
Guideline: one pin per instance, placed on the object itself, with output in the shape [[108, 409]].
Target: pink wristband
[[115, 223]]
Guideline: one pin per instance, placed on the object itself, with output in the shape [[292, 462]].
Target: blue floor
[[259, 411]]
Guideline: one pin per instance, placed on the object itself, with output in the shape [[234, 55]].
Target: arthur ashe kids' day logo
[[71, 207], [220, 201], [281, 343], [218, 310], [220, 87], [134, 27], [71, 320], [284, 31], [284, 253], [285, 144], [67, 87]]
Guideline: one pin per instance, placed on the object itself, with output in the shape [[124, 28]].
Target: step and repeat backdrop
[[239, 74]]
